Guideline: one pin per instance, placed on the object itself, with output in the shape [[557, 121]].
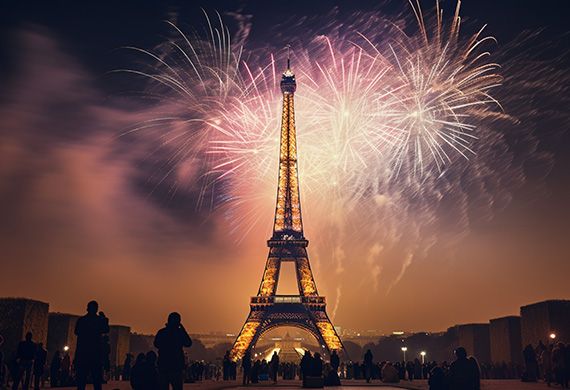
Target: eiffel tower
[[288, 243]]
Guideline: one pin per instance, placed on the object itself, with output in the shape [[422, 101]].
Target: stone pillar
[[505, 336], [19, 316]]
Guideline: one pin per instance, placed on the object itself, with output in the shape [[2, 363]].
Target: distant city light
[[552, 336], [398, 333], [66, 348]]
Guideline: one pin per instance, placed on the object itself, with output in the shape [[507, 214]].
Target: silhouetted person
[[274, 366], [437, 379], [566, 381], [335, 361], [151, 379], [126, 375], [170, 342], [233, 370], [546, 362], [89, 351], [55, 370], [417, 369], [559, 364], [39, 365], [25, 360], [390, 373], [226, 366], [306, 366], [401, 369], [410, 370], [137, 377], [476, 373], [3, 370], [332, 378], [538, 352], [462, 372], [13, 366], [65, 370], [264, 370], [368, 363], [255, 371], [317, 369], [246, 367], [531, 364]]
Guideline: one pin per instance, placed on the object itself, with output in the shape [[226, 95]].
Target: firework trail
[[400, 130]]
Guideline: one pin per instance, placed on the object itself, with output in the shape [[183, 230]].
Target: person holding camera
[[89, 330], [170, 342]]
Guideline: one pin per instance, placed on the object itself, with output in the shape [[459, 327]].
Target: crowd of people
[[27, 365], [310, 368], [91, 358], [169, 366], [462, 374], [550, 363], [412, 370], [91, 362]]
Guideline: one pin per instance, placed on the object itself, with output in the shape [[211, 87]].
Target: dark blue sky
[[93, 29]]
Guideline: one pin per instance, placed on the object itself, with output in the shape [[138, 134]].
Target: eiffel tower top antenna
[[288, 224]]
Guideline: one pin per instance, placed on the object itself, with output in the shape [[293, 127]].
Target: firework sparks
[[388, 120]]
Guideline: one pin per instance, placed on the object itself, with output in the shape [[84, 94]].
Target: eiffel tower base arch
[[268, 313]]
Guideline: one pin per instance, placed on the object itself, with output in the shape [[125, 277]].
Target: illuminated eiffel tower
[[306, 310]]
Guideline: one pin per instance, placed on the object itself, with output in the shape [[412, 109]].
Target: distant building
[[445, 345], [120, 339], [61, 333], [505, 336], [419, 342], [362, 339], [141, 343], [288, 348], [540, 320], [212, 339], [475, 339], [19, 316]]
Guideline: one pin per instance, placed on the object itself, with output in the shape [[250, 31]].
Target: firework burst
[[393, 115]]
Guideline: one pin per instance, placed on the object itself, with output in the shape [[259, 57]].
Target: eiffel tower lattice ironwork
[[306, 310]]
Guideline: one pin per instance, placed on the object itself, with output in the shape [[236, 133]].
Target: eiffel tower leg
[[270, 277], [328, 333], [305, 279], [248, 335]]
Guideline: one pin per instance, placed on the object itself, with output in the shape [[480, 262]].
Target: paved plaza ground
[[350, 385]]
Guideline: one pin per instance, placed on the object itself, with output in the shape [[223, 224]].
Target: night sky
[[83, 217]]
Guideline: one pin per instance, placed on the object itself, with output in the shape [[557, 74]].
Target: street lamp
[[404, 349], [423, 355], [552, 336], [66, 348]]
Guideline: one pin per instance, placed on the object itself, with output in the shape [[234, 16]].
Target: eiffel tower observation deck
[[307, 310]]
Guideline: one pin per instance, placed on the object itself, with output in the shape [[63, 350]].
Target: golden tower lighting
[[307, 310]]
